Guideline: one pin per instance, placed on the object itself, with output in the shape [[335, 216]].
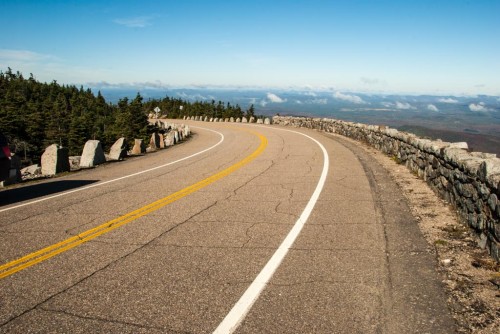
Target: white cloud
[[349, 98], [447, 100], [275, 98], [404, 105], [128, 85], [432, 107], [480, 107], [312, 101], [135, 22], [24, 56], [192, 97], [313, 94], [398, 105], [318, 101], [47, 67], [263, 103]]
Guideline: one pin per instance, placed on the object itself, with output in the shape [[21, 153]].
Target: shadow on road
[[38, 190]]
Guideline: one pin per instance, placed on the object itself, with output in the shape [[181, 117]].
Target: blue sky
[[438, 47]]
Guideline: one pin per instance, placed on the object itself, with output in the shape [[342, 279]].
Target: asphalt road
[[359, 264]]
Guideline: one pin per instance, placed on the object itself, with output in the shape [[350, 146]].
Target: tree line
[[178, 108], [34, 115]]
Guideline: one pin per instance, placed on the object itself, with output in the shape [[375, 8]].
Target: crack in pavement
[[235, 191], [17, 221], [68, 231], [295, 216], [99, 319], [235, 158], [249, 237], [211, 247], [106, 266]]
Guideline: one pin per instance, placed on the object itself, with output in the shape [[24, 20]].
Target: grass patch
[[441, 242], [396, 160]]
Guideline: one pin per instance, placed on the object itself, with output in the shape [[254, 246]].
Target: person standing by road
[[5, 157]]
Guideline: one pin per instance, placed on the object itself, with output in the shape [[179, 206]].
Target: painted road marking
[[50, 251], [122, 177], [245, 303]]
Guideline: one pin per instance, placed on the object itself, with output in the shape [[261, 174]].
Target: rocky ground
[[470, 276]]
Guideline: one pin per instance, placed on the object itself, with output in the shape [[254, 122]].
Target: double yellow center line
[[50, 251]]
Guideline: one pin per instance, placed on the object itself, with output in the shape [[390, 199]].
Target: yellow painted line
[[29, 260]]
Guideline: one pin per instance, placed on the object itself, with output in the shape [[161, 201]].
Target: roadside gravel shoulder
[[470, 275]]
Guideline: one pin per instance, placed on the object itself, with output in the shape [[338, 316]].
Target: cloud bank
[[398, 105], [24, 56], [275, 98], [480, 107], [313, 101], [432, 107], [404, 105], [349, 98], [447, 100]]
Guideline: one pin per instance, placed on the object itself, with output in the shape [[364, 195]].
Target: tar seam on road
[[245, 303], [50, 251], [122, 177]]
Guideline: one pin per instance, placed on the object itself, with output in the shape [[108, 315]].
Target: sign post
[[157, 112]]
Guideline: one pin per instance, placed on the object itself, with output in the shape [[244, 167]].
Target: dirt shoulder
[[470, 275]]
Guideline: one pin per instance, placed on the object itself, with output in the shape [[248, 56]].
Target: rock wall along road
[[469, 181]]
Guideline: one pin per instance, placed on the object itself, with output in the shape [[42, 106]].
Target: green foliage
[[178, 108], [34, 115]]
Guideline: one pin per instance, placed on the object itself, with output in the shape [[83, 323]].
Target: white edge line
[[245, 303], [122, 177]]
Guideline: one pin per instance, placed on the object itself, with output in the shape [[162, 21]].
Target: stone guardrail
[[252, 119], [55, 159], [469, 181]]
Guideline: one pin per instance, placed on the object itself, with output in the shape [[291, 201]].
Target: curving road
[[244, 228]]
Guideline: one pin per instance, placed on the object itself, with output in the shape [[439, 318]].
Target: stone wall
[[469, 181], [266, 120]]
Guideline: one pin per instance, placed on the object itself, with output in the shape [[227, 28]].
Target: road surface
[[243, 228]]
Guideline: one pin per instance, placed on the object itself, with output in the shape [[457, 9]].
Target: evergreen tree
[[138, 118], [58, 122], [34, 115], [122, 126], [250, 112]]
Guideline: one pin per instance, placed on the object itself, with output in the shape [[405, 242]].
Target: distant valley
[[474, 119]]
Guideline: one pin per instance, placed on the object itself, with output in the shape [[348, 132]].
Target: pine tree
[[250, 111], [58, 122], [139, 118]]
